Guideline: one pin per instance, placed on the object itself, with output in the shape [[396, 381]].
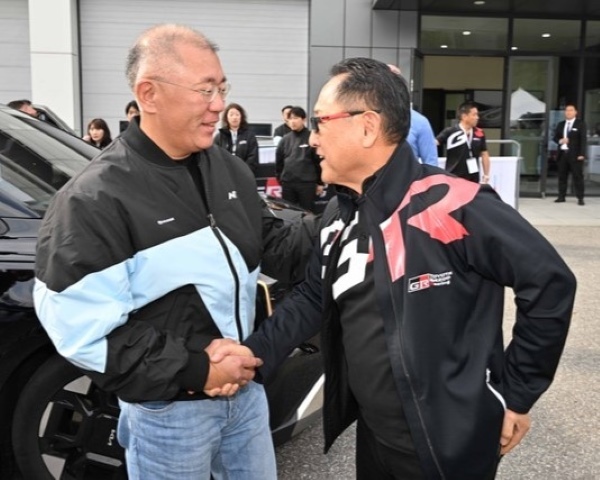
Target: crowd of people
[[401, 283]]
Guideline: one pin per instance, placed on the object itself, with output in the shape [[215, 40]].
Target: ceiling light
[[514, 48], [466, 32], [546, 35], [443, 46], [479, 2]]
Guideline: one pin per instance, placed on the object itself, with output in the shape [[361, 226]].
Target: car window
[[34, 165]]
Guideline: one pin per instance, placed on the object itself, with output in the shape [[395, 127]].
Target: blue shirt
[[422, 139]]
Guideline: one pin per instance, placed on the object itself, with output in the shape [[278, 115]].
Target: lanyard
[[469, 138], [233, 141]]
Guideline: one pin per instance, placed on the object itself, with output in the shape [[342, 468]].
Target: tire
[[64, 427]]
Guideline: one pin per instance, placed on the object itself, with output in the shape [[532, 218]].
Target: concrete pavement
[[543, 211]]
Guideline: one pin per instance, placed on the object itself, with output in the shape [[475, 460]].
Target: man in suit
[[570, 135]]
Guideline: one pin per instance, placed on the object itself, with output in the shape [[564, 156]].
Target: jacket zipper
[[412, 391], [236, 279], [217, 233]]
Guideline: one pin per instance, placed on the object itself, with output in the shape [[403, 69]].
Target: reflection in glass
[[544, 35], [483, 33]]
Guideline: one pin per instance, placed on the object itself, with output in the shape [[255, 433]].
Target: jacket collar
[[386, 188], [143, 145]]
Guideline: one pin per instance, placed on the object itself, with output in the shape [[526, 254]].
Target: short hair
[[369, 84], [100, 123], [18, 104], [286, 107], [239, 108], [155, 49], [570, 104], [297, 112], [131, 104], [465, 108]]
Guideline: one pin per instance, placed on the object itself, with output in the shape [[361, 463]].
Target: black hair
[[100, 123], [465, 108], [239, 108], [297, 112], [371, 85], [131, 104], [17, 104]]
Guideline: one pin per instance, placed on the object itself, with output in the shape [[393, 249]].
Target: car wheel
[[65, 427]]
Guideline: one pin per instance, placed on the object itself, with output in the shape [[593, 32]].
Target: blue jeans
[[228, 437]]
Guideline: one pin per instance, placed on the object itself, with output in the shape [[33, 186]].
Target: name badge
[[472, 165]]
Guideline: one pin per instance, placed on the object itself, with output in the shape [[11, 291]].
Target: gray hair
[[155, 50]]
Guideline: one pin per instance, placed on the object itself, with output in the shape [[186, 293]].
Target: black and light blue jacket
[[137, 271]]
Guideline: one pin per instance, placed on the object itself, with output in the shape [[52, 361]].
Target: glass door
[[531, 83], [416, 82]]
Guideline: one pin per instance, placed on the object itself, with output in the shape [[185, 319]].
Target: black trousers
[[301, 194], [568, 163], [376, 461]]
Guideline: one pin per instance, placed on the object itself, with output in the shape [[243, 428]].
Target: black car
[[55, 423]]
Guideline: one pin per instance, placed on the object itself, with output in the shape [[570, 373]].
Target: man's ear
[[145, 93], [371, 128]]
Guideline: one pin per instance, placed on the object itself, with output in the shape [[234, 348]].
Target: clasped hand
[[231, 366]]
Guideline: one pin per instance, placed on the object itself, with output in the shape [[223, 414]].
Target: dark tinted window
[[35, 164]]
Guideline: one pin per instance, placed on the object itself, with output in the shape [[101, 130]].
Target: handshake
[[231, 366]]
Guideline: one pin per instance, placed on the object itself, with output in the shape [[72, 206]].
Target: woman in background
[[98, 133], [235, 136]]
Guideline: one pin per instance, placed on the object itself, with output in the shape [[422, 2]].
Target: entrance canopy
[[524, 105]]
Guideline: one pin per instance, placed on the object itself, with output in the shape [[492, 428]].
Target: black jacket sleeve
[[279, 158], [296, 319], [252, 157], [504, 247], [558, 132], [288, 244]]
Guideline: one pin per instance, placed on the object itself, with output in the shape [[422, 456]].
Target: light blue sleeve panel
[[79, 318]]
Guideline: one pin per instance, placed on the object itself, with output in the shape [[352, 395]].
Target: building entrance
[[519, 98]]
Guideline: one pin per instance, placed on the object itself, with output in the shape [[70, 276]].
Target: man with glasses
[[148, 255], [407, 289]]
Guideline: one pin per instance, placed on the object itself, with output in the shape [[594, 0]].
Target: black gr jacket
[[444, 249]]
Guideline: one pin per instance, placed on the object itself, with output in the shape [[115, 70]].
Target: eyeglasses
[[315, 121], [209, 95]]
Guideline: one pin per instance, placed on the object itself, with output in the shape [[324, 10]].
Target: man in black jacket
[[297, 164], [149, 254], [407, 289], [571, 137]]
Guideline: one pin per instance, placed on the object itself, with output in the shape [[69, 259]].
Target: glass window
[[33, 164], [463, 33], [543, 35], [592, 36]]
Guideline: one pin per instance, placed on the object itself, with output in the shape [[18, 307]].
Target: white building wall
[[53, 33], [15, 71], [263, 49]]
